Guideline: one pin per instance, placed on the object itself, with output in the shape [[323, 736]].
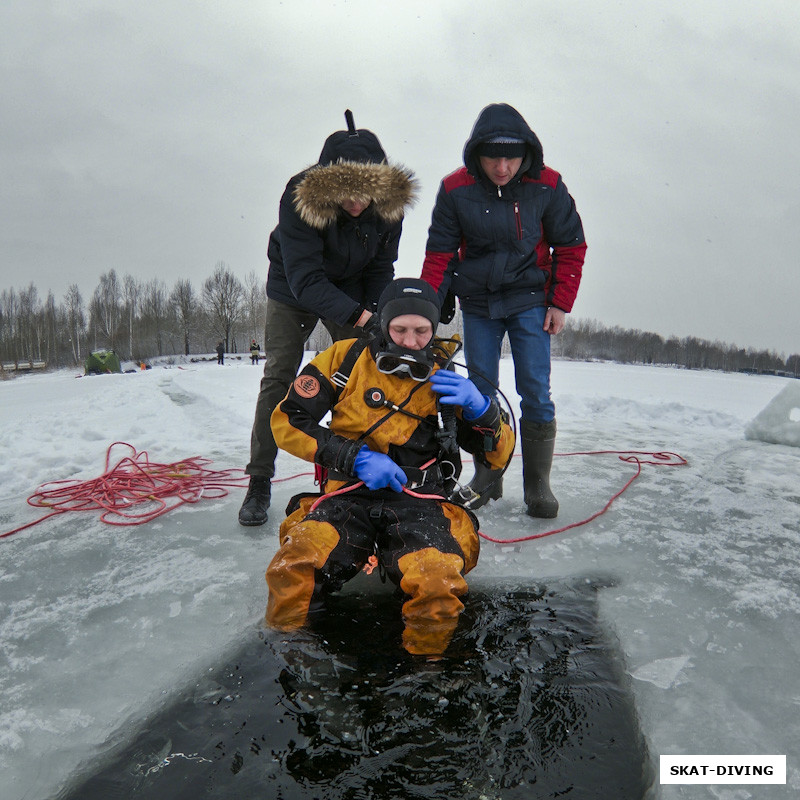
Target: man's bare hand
[[554, 320]]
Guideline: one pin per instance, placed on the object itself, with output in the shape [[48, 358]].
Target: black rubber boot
[[538, 443], [256, 502], [486, 485]]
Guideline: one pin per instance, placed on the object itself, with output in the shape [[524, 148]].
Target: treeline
[[138, 320], [142, 320], [590, 340]]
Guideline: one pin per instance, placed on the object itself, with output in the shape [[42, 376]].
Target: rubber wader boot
[[256, 502], [538, 443], [486, 485]]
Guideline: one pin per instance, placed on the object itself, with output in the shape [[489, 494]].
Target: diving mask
[[395, 360]]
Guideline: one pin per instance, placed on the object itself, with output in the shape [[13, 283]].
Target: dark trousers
[[286, 331]]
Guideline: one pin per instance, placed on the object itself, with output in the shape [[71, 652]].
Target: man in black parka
[[331, 256]]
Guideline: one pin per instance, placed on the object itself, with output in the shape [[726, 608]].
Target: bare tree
[[155, 310], [105, 310], [51, 333], [256, 303], [131, 293], [319, 338], [185, 308], [9, 317], [223, 297], [76, 319], [31, 329]]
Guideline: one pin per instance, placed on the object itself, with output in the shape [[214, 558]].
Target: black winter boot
[[256, 502], [538, 443], [486, 485]]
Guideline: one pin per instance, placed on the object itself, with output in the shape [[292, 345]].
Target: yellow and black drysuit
[[425, 545]]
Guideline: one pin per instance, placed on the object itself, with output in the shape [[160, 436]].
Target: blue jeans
[[530, 349]]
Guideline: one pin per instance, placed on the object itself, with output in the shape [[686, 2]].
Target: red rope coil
[[135, 489]]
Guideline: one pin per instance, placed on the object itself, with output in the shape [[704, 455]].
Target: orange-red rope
[[135, 489], [659, 459]]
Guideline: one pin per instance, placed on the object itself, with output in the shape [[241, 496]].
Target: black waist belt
[[416, 476]]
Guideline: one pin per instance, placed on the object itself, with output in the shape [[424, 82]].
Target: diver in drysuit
[[386, 488]]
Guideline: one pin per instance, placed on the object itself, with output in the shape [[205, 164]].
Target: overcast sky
[[157, 138]]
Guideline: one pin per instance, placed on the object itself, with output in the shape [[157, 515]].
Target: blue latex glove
[[378, 471], [456, 390]]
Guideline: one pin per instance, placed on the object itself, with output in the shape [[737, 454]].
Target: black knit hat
[[407, 296], [502, 147]]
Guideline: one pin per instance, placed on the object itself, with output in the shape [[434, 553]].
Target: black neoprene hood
[[407, 296]]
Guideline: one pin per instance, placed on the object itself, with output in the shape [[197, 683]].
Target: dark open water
[[531, 701]]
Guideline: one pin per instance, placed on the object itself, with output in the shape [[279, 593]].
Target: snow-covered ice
[[97, 623], [779, 422]]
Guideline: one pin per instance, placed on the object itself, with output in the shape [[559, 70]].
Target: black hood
[[501, 119], [407, 296], [362, 147]]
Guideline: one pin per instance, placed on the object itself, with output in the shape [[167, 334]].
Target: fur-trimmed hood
[[322, 189]]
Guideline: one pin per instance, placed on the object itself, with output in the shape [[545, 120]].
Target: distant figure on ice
[[387, 469], [255, 352], [220, 353], [506, 239], [330, 257]]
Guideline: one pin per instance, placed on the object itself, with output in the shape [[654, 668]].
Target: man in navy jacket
[[506, 239], [331, 255]]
